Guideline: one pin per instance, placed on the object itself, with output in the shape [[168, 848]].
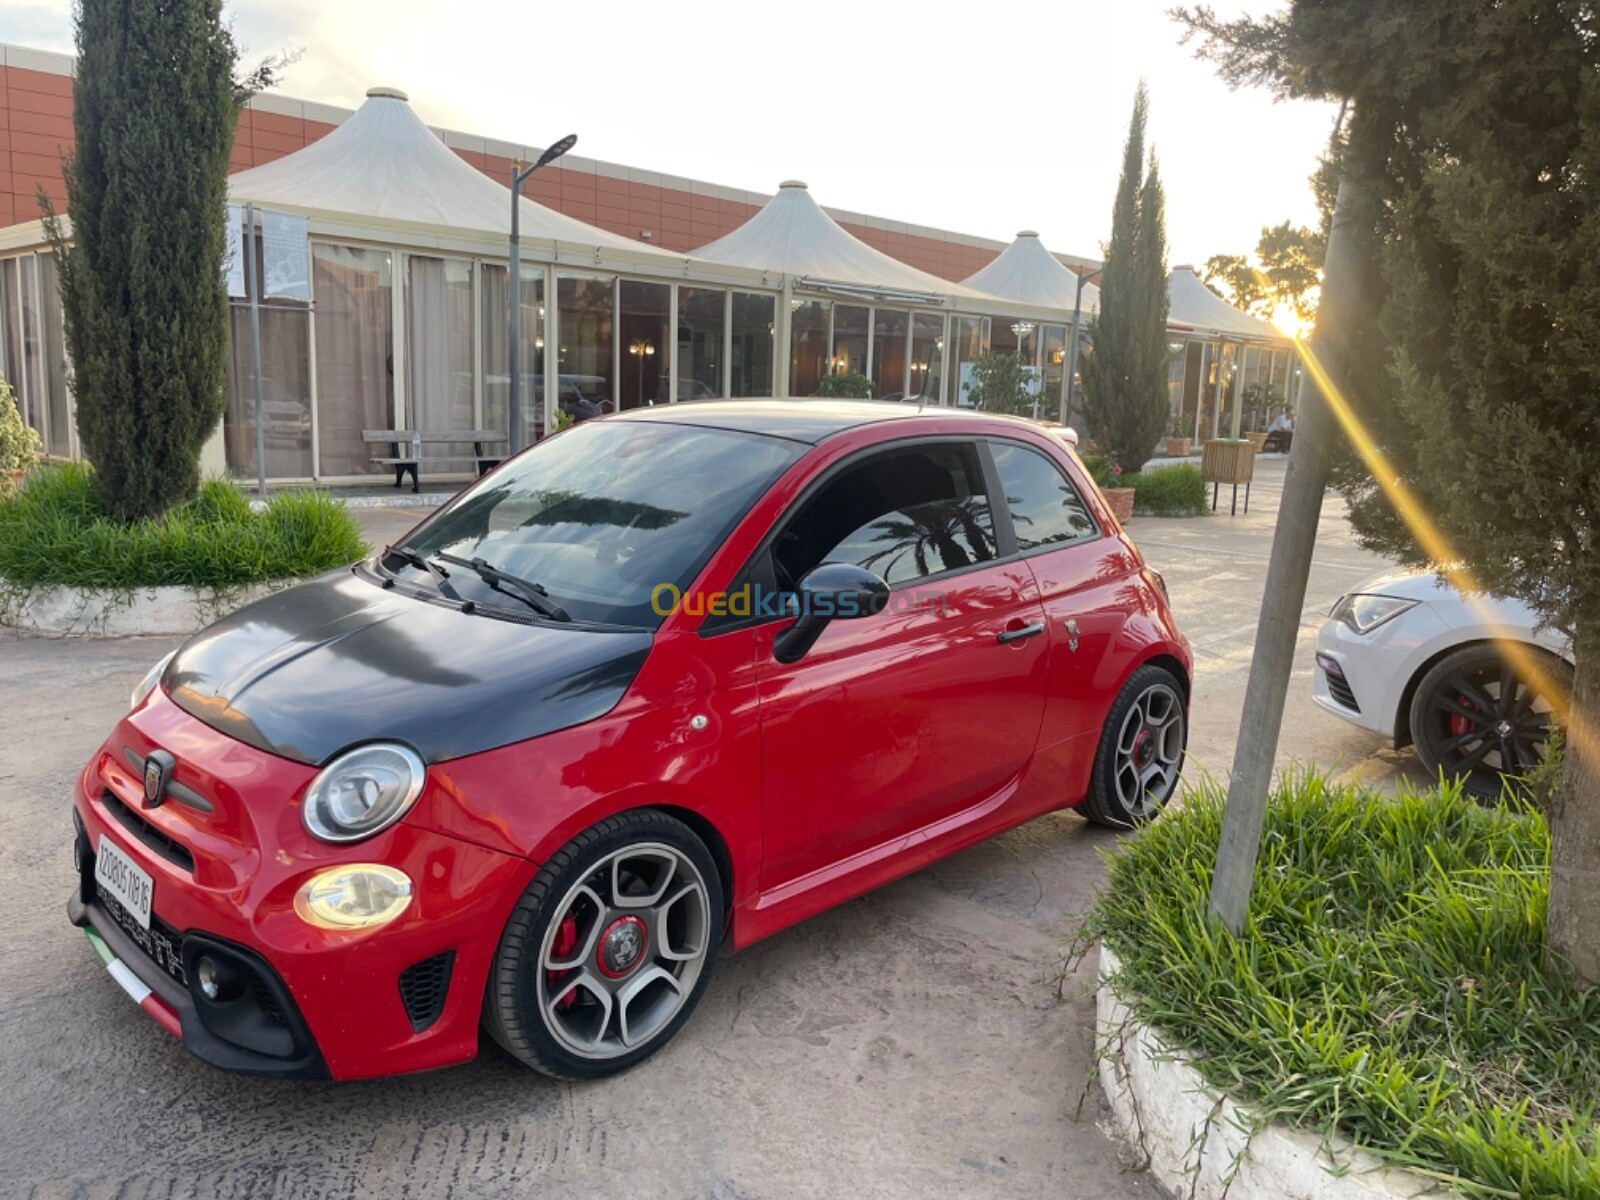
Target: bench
[[402, 445]]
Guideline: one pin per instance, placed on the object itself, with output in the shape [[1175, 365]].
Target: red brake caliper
[[1458, 723], [566, 941]]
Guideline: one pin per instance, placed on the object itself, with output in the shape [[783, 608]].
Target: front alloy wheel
[[609, 950]]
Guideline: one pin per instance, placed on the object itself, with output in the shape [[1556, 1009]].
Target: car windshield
[[602, 515]]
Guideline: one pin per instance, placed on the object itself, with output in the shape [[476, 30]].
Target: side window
[[906, 514], [1045, 508]]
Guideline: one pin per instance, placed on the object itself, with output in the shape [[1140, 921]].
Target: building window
[[285, 386], [439, 388], [927, 357], [700, 362], [889, 332], [54, 352], [754, 343], [13, 357], [583, 358], [1053, 343], [646, 330], [497, 352], [809, 346], [850, 325], [970, 335], [354, 318]]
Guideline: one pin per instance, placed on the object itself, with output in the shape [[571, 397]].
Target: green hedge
[[54, 532], [1177, 491], [1390, 983]]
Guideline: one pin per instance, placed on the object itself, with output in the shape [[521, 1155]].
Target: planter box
[[1177, 447], [1121, 502], [1224, 460], [1258, 440], [1198, 1142]]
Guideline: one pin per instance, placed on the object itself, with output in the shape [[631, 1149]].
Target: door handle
[[1007, 636]]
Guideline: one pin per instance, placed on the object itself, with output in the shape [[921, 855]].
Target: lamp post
[[519, 177], [641, 348], [1070, 383]]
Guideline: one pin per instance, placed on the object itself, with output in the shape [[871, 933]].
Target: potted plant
[[1118, 497], [19, 444], [1178, 438]]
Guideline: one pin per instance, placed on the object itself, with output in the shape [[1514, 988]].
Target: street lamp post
[[518, 431], [1069, 384]]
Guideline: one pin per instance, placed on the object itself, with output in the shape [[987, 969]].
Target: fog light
[[217, 979], [357, 896], [206, 973]]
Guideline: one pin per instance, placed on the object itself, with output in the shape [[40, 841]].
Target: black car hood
[[340, 660]]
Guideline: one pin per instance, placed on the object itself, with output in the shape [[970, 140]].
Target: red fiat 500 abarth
[[662, 685]]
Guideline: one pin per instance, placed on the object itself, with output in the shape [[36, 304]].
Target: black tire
[[1116, 804], [514, 1012], [1461, 726]]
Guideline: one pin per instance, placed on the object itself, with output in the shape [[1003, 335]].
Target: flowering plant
[[1116, 475]]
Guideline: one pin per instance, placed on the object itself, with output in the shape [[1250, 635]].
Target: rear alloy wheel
[[1479, 719], [1140, 755], [609, 949]]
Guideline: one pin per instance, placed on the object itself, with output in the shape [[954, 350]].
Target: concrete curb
[[399, 500], [1200, 1144], [83, 612]]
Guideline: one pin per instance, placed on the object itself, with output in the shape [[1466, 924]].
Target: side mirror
[[833, 591]]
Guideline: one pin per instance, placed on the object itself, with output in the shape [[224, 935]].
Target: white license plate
[[130, 883]]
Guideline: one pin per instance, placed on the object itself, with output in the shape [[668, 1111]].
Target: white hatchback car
[[1408, 656]]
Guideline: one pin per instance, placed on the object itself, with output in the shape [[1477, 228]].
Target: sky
[[982, 119]]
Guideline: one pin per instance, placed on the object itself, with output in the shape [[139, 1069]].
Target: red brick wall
[[36, 129]]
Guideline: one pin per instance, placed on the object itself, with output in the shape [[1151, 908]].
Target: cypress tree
[[143, 297], [1125, 369]]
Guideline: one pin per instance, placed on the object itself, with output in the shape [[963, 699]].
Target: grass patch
[[53, 532], [1178, 491], [1390, 984]]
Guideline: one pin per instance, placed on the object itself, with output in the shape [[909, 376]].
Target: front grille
[[423, 987], [174, 851]]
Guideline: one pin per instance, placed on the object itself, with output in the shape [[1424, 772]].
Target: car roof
[[809, 421]]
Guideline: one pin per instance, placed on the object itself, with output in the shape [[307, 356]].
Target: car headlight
[[148, 684], [362, 792], [355, 896], [1364, 613]]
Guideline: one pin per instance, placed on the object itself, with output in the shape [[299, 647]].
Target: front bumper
[[316, 1003]]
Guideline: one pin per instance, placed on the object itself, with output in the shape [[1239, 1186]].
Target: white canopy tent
[[793, 235], [383, 169], [1198, 312], [854, 308], [1027, 271]]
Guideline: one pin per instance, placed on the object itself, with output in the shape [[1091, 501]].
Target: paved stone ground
[[907, 1043]]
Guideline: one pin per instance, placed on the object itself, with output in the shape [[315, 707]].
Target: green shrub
[[1178, 491], [852, 385], [55, 532], [19, 444], [1390, 983]]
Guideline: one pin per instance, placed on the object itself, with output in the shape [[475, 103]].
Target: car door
[[897, 721], [1084, 589]]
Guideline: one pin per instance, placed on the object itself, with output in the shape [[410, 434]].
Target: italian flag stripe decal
[[134, 986]]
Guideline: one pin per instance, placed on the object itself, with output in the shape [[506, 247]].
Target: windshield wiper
[[526, 590], [408, 555]]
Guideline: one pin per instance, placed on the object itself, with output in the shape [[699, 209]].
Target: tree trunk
[[1572, 927]]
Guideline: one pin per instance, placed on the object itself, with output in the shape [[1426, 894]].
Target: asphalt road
[[907, 1043]]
